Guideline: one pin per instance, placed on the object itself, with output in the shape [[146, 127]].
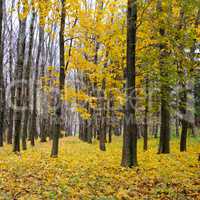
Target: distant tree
[[145, 147]]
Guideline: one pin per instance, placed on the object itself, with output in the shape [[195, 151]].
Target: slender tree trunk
[[102, 133], [164, 146], [18, 88], [33, 129], [26, 89], [129, 155], [2, 87], [12, 90], [110, 119], [56, 134], [145, 147], [184, 123], [177, 127], [103, 111], [183, 92]]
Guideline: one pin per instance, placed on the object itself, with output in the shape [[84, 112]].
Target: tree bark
[[56, 134], [12, 90], [2, 87], [145, 147], [18, 88], [129, 154], [26, 89], [33, 129], [164, 146]]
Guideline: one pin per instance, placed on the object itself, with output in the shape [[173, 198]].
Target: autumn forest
[[100, 99]]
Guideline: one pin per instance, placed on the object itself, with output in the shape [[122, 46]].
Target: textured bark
[[12, 92], [18, 88], [103, 117], [33, 129], [26, 88], [56, 134], [183, 110], [197, 84], [129, 155], [2, 87], [164, 146], [44, 122], [102, 131], [183, 92]]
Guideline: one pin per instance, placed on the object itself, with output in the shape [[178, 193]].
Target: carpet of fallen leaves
[[82, 172]]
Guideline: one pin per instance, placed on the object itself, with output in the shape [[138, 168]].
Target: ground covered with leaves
[[82, 172]]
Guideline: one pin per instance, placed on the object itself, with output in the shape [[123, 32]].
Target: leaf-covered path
[[83, 172]]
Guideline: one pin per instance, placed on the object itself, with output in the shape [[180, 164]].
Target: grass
[[82, 172]]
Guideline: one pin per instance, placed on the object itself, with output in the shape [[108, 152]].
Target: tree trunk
[[12, 90], [56, 134], [110, 119], [26, 89], [2, 87], [145, 147], [33, 129], [164, 146], [129, 155], [177, 126], [18, 88], [184, 123], [183, 92]]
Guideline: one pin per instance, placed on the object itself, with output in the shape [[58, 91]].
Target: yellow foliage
[[83, 172]]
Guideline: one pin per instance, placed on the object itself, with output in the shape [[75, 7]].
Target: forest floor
[[82, 172]]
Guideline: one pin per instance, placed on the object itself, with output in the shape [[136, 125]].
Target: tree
[[58, 114], [12, 92], [165, 90], [145, 147], [33, 131], [26, 88], [18, 78], [129, 155], [2, 88]]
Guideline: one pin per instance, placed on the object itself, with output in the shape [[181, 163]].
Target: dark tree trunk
[[43, 134], [103, 113], [183, 143], [56, 134], [102, 131], [177, 126], [197, 83], [12, 90], [2, 87], [183, 92], [164, 146], [145, 147], [184, 123], [129, 155], [110, 120], [18, 88]]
